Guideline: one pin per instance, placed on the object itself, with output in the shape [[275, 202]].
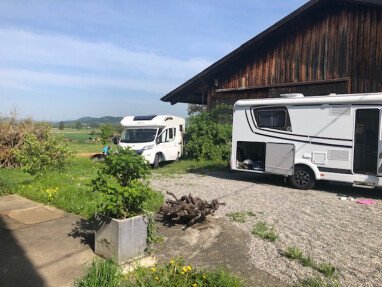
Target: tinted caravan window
[[272, 118]]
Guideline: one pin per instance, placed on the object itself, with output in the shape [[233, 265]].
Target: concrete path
[[39, 245]]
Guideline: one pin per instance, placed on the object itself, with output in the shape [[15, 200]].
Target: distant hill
[[92, 122]]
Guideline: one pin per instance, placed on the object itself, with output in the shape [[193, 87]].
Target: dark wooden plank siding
[[341, 40]]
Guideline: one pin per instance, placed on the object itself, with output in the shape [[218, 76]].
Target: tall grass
[[101, 273]]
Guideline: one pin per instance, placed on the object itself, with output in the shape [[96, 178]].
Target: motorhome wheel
[[156, 161], [303, 178]]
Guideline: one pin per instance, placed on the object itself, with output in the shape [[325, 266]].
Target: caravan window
[[273, 118]]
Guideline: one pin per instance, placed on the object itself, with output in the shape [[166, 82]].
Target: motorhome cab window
[[168, 135], [272, 118], [138, 135]]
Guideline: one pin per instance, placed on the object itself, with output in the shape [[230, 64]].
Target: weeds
[[240, 216], [262, 230], [101, 273], [174, 273], [294, 253], [177, 273], [318, 282]]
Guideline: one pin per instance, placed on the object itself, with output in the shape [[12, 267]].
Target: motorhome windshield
[[138, 135]]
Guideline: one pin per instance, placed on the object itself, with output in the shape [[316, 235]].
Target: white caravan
[[335, 137], [157, 138]]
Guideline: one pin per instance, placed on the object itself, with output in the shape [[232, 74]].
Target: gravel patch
[[341, 232]]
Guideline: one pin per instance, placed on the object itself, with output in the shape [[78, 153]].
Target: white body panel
[[171, 148], [322, 130]]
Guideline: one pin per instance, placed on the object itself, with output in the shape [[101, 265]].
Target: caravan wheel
[[303, 178]]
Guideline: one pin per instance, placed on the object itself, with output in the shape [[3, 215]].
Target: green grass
[[175, 273], [189, 165], [318, 282], [261, 229], [101, 273], [294, 253], [69, 189], [86, 148], [240, 216]]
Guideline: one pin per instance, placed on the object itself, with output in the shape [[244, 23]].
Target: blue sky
[[61, 60]]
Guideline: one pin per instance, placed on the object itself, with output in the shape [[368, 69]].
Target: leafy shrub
[[126, 165], [122, 201], [36, 156], [12, 134], [122, 192], [210, 134]]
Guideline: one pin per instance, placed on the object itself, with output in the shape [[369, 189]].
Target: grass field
[[78, 140]]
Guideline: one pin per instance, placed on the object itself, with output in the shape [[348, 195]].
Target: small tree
[[61, 125], [210, 134], [195, 109], [107, 132], [78, 125]]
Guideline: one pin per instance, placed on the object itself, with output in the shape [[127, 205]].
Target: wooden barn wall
[[341, 41]]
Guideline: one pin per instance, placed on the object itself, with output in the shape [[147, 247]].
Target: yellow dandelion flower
[[157, 278], [153, 269], [189, 268], [194, 285], [185, 269], [172, 261], [204, 276]]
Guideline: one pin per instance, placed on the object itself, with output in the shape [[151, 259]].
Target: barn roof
[[192, 90]]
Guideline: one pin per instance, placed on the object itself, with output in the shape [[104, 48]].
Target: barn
[[325, 46]]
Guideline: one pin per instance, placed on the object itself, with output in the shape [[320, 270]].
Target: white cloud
[[29, 61]]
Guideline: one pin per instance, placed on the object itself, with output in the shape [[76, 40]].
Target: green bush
[[38, 155], [210, 134], [122, 201], [122, 191], [126, 165]]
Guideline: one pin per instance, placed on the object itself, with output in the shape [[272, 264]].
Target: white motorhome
[[334, 137], [157, 138]]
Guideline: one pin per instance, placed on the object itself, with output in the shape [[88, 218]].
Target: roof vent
[[144, 118], [292, 95]]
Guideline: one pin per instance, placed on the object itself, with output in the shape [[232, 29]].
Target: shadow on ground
[[340, 189], [85, 230], [15, 267]]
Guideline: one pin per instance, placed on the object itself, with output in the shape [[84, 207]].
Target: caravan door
[[279, 158], [379, 157]]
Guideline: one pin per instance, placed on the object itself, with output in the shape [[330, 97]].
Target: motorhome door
[[279, 158], [379, 158]]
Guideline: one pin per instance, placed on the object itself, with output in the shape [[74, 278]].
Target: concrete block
[[122, 239]]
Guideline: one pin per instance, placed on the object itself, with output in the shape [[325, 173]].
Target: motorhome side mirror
[[158, 140], [115, 140]]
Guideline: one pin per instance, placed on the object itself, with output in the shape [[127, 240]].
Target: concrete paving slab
[[35, 215], [40, 254]]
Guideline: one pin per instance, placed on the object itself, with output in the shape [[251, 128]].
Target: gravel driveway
[[341, 232]]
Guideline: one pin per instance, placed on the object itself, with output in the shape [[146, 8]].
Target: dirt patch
[[213, 244], [340, 232]]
